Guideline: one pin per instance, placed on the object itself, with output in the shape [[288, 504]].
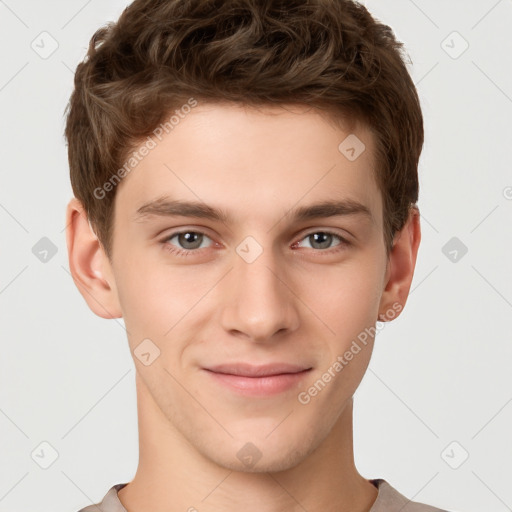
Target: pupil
[[325, 236], [188, 238]]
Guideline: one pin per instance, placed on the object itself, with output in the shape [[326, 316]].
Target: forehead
[[255, 162]]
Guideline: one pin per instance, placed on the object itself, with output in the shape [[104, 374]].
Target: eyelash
[[187, 252]]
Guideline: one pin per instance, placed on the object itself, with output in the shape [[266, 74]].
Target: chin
[[272, 463], [261, 455]]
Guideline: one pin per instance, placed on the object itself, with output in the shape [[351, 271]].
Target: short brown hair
[[328, 54]]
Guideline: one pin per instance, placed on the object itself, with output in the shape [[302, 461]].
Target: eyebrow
[[167, 207]]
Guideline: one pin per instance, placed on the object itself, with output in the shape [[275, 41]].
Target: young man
[[245, 174]]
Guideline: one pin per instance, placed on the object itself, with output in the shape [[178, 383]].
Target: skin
[[298, 302]]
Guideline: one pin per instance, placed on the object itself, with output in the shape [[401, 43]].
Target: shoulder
[[110, 502], [389, 500]]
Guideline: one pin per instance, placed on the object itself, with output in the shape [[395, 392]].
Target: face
[[270, 279]]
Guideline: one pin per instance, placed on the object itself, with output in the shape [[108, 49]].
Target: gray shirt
[[388, 500]]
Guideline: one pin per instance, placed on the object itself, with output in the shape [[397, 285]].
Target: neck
[[173, 475]]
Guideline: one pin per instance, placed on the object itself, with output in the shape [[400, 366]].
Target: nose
[[259, 302]]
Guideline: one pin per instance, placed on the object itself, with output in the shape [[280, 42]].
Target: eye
[[188, 242], [322, 241]]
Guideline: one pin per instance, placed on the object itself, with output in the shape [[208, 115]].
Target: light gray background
[[440, 373]]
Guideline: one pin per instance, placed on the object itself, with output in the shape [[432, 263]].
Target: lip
[[250, 370], [264, 380]]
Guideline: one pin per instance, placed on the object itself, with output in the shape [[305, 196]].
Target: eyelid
[[332, 231], [180, 231], [205, 231], [343, 240]]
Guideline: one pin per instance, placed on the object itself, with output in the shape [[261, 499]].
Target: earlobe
[[401, 265], [89, 265]]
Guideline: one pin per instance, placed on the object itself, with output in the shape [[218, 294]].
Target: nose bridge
[[260, 303]]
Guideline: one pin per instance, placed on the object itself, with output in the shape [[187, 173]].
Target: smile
[[258, 385]]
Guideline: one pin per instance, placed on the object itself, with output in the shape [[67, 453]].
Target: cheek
[[154, 298], [166, 304], [349, 307], [345, 298]]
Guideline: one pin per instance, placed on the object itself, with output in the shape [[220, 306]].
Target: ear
[[400, 269], [89, 265]]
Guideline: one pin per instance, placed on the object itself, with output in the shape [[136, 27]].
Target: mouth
[[264, 380]]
